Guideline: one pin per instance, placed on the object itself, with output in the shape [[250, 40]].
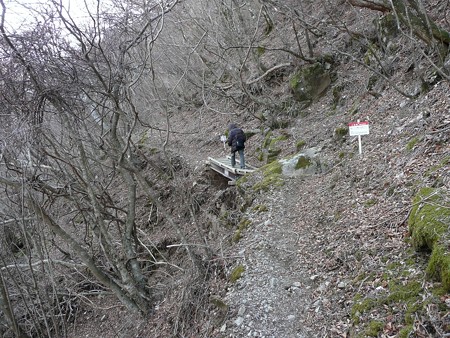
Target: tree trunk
[[410, 14]]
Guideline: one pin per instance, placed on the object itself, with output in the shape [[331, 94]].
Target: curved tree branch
[[268, 72]]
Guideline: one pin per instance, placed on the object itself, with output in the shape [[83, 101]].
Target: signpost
[[223, 139], [358, 129]]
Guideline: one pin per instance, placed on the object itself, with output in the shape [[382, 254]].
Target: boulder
[[306, 162], [308, 83]]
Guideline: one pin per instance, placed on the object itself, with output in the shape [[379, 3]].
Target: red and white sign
[[358, 128]]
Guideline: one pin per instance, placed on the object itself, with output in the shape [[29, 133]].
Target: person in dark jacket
[[236, 140]]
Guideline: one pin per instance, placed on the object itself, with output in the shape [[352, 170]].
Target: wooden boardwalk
[[223, 167]]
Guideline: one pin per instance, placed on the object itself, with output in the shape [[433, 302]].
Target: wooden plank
[[226, 162], [231, 174], [223, 167]]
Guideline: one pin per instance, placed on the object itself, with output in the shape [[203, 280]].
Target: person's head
[[232, 126]]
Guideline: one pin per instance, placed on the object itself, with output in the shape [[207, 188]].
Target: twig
[[439, 130], [189, 244], [44, 261], [361, 284], [155, 261], [16, 220]]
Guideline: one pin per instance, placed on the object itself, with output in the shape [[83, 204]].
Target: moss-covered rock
[[236, 273], [306, 162], [259, 153], [337, 95], [236, 236], [272, 155], [267, 140], [308, 83], [218, 302], [277, 139], [272, 177], [221, 309], [300, 145], [270, 147], [303, 162], [429, 225]]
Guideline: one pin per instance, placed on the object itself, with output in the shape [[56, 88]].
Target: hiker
[[236, 140]]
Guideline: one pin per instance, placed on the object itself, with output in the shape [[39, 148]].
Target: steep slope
[[328, 240], [313, 255], [322, 254]]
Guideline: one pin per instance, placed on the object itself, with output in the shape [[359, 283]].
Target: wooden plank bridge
[[223, 167]]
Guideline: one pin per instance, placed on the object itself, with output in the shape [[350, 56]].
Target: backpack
[[240, 139]]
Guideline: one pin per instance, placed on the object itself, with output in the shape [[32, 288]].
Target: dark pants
[[241, 158]]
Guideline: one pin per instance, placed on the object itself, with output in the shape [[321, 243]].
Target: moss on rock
[[272, 155], [236, 273], [303, 162], [308, 83], [272, 177], [429, 225], [267, 140], [439, 264], [300, 145], [275, 140], [218, 303], [269, 148]]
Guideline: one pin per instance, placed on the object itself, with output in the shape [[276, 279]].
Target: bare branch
[[268, 72], [44, 261]]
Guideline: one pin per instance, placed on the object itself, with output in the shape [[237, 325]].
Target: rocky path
[[275, 295]]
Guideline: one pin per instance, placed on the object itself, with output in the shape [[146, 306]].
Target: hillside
[[326, 254], [330, 254], [340, 238], [132, 234], [320, 244]]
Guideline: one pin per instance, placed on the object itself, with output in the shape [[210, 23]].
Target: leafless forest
[[106, 118]]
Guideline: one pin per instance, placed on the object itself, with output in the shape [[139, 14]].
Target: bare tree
[[78, 171]]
